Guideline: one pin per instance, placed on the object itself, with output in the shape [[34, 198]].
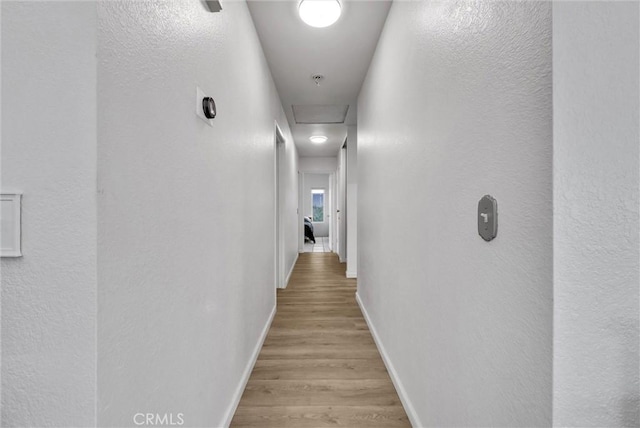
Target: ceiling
[[341, 53]]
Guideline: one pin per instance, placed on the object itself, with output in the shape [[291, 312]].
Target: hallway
[[471, 170], [319, 365]]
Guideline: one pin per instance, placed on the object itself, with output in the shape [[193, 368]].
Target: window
[[317, 205]]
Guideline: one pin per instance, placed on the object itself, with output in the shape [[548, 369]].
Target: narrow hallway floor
[[321, 245], [319, 366]]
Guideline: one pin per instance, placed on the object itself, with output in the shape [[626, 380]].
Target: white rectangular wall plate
[[200, 95], [10, 225]]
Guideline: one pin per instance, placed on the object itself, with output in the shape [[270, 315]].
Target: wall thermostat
[[209, 107], [205, 107], [213, 5], [488, 218]]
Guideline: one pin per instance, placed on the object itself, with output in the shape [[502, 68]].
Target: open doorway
[[341, 205], [279, 229], [318, 224]]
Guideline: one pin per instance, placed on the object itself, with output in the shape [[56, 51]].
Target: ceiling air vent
[[320, 114]]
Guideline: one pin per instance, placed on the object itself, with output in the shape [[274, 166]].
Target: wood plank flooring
[[319, 366]]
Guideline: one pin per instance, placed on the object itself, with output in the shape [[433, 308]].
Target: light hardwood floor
[[319, 366]]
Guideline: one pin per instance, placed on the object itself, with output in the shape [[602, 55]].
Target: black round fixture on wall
[[209, 107]]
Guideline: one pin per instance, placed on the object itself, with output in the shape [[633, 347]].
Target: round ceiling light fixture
[[319, 13], [318, 139]]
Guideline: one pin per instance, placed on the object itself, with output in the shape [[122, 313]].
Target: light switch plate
[[200, 95], [10, 225], [488, 218]]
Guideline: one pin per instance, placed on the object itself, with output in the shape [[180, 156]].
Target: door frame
[[329, 203], [341, 204], [279, 147]]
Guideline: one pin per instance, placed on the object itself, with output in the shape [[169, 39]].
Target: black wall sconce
[[213, 5]]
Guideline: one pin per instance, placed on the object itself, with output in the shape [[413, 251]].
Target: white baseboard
[[226, 421], [406, 403], [293, 265], [352, 274]]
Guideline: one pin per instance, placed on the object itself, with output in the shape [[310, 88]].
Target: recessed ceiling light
[[319, 13], [318, 139]]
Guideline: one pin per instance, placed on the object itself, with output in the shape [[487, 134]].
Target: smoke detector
[[317, 78]]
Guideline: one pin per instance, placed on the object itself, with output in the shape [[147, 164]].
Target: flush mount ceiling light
[[319, 13], [318, 139]]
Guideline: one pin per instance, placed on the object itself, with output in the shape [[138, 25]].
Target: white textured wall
[[318, 164], [457, 104], [186, 270], [49, 152], [596, 258]]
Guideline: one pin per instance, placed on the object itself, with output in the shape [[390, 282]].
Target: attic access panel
[[319, 114]]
